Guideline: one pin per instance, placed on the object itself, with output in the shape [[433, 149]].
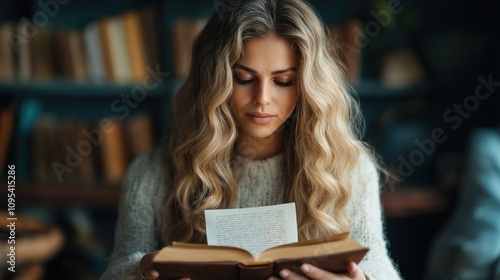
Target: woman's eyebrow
[[248, 69]]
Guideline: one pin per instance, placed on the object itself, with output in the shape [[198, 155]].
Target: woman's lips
[[261, 118]]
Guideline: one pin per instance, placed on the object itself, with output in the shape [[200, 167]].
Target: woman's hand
[[312, 272], [146, 265]]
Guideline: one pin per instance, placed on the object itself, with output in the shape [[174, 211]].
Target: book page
[[254, 229]]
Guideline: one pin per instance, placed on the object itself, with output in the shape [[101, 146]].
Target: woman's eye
[[283, 84], [242, 81]]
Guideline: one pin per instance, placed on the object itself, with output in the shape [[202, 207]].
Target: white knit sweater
[[260, 183]]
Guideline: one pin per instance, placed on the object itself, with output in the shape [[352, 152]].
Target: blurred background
[[86, 86]]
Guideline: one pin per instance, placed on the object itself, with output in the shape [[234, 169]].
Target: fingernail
[[305, 268], [284, 273]]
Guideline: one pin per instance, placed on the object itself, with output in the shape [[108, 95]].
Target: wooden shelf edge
[[96, 196], [413, 201]]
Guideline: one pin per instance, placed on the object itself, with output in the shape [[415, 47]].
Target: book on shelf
[[140, 134], [94, 55], [70, 58], [68, 138], [201, 261], [41, 160], [115, 48], [86, 171], [6, 129], [7, 71], [24, 60], [136, 48], [119, 53], [151, 34], [78, 62], [105, 39], [114, 152], [42, 50]]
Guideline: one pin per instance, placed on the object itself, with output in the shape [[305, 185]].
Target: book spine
[[6, 128], [119, 52], [150, 31], [104, 38], [24, 63], [135, 42], [7, 70], [78, 63], [95, 62], [114, 153], [257, 272], [140, 134]]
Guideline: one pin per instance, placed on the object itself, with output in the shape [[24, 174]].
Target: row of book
[[120, 48], [84, 152], [117, 48]]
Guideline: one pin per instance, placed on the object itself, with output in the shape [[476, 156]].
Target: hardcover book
[[201, 261]]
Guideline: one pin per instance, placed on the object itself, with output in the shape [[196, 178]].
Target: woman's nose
[[262, 95]]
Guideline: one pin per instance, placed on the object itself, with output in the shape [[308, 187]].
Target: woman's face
[[264, 86]]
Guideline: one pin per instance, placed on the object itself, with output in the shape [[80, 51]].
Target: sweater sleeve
[[365, 215], [139, 218]]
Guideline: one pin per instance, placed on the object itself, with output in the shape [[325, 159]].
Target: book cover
[[201, 261]]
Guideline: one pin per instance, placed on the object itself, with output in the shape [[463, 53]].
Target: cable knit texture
[[260, 183]]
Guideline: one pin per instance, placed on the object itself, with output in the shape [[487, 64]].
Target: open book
[[201, 261]]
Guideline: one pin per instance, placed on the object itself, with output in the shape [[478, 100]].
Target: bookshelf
[[61, 197], [54, 98]]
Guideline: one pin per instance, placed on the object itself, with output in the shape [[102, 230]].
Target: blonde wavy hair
[[323, 146]]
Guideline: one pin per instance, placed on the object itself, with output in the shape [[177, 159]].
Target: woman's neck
[[260, 148]]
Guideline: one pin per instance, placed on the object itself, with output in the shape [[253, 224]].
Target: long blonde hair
[[323, 146]]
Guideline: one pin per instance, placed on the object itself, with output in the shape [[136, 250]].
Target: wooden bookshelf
[[98, 196], [71, 88]]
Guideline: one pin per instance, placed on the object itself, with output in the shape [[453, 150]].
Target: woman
[[263, 118]]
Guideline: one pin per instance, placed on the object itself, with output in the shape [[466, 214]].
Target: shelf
[[97, 196], [71, 88], [412, 201], [373, 88]]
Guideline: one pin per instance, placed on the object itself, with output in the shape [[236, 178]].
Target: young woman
[[263, 118]]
